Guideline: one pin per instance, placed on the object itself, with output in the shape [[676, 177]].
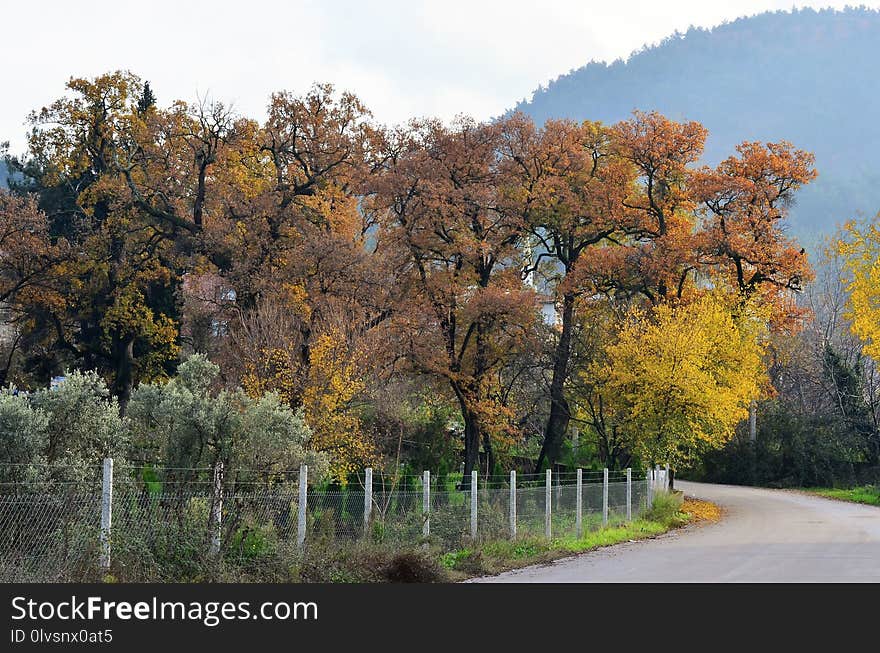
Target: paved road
[[765, 536]]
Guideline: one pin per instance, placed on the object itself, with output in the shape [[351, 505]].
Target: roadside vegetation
[[867, 494], [328, 560], [669, 512]]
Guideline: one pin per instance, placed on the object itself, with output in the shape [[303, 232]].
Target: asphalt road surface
[[764, 536]]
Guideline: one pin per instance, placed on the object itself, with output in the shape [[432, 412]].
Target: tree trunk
[[490, 454], [472, 436], [471, 446], [557, 422], [123, 353]]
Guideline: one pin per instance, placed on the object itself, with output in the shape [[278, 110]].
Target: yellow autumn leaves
[[860, 249], [325, 390], [679, 379], [327, 402]]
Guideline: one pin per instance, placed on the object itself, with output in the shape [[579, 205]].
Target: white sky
[[404, 58]]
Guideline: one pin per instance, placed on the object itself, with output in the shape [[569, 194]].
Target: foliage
[[860, 248], [83, 423], [667, 509], [501, 555], [793, 448], [185, 424], [415, 426], [323, 257], [698, 510], [23, 438], [106, 296], [468, 313], [683, 377], [867, 494], [327, 406], [60, 433]]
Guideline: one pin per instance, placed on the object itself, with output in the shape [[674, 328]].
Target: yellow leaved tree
[[860, 248], [327, 399], [679, 379], [325, 389]]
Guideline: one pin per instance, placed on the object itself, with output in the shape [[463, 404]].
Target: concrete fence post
[[512, 505], [474, 505], [650, 489], [216, 508], [368, 498], [301, 508], [605, 497], [629, 494], [579, 504], [426, 503], [106, 513], [666, 485], [548, 505]]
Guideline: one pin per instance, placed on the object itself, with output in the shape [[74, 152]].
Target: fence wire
[[48, 537], [162, 524]]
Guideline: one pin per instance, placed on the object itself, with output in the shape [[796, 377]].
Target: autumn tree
[[30, 264], [467, 310], [27, 253], [656, 259], [115, 315], [681, 377], [745, 200], [317, 256], [859, 247], [667, 230], [268, 219], [305, 261], [567, 187], [601, 432]]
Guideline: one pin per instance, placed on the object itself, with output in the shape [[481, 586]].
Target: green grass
[[637, 530], [502, 555], [868, 494]]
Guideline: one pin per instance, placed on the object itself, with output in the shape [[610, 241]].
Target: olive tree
[[186, 424]]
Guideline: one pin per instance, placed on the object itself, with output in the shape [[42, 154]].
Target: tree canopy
[[317, 256]]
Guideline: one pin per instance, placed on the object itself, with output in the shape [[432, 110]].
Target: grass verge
[[867, 494], [667, 513]]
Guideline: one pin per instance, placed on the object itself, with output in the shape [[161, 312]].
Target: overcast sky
[[404, 58]]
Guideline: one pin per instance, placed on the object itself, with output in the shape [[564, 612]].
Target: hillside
[[806, 76]]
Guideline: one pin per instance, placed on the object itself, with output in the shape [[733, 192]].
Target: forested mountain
[[806, 76]]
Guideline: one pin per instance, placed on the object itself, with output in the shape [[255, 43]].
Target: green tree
[[186, 424], [83, 425], [23, 438]]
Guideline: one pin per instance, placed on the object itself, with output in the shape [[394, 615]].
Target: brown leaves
[[27, 254], [744, 201]]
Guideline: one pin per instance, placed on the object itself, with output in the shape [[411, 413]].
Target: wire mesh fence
[[162, 523], [48, 537]]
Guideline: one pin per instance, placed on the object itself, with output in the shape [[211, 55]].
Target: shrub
[[23, 438], [665, 509], [187, 425], [83, 426]]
